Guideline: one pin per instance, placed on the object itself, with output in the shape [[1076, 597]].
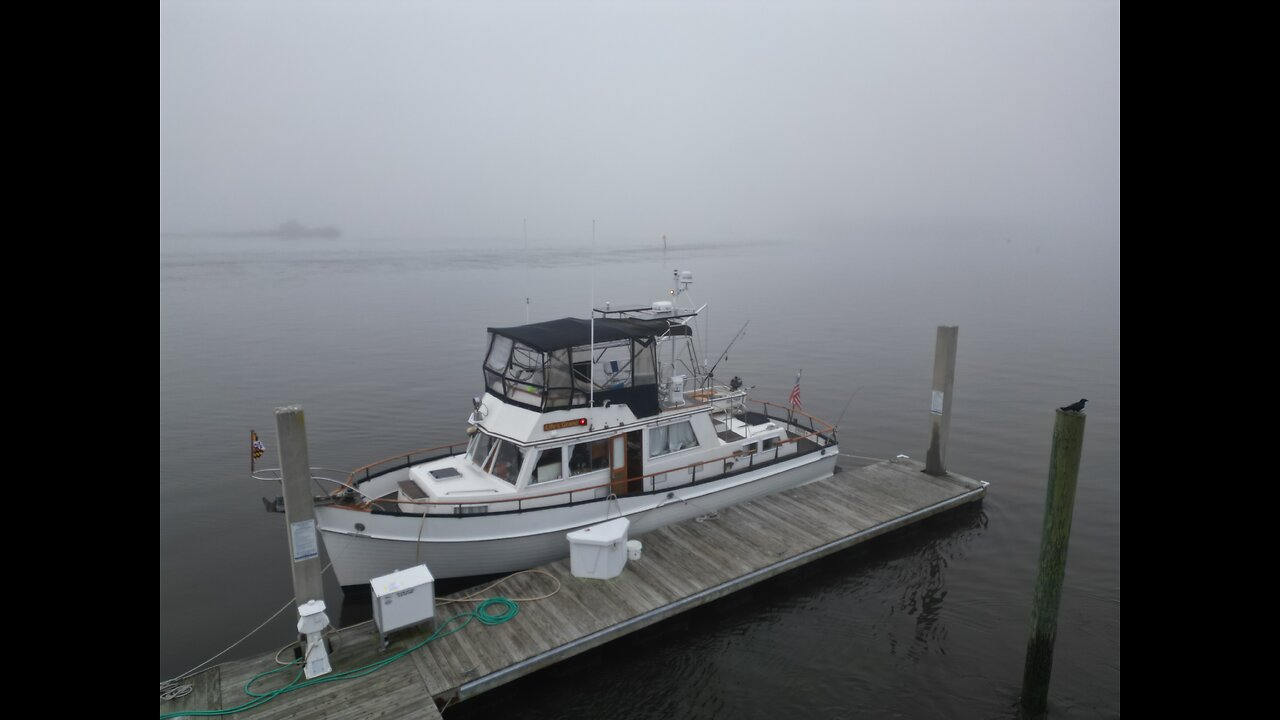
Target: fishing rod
[[711, 373], [847, 404]]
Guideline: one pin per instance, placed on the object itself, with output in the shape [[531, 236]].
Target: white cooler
[[599, 551]]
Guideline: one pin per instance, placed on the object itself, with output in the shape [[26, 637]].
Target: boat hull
[[462, 546]]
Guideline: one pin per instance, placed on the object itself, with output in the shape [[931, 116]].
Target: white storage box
[[599, 551], [403, 598]]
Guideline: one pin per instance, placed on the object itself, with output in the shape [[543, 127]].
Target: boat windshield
[[497, 457]]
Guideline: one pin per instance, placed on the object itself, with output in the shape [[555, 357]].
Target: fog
[[724, 122]]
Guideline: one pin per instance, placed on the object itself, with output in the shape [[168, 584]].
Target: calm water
[[381, 343]]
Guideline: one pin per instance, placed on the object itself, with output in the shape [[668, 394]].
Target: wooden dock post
[[944, 376], [1060, 499], [299, 509]]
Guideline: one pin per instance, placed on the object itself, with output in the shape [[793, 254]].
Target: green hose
[[506, 610]]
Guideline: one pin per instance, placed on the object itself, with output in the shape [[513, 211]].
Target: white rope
[[171, 690], [476, 595], [167, 685], [230, 647], [864, 457]]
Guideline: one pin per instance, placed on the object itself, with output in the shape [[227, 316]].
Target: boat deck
[[683, 566]]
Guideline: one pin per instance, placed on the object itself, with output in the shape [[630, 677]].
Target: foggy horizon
[[707, 121]]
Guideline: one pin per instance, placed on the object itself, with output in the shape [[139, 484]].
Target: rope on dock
[[506, 608], [171, 690], [169, 687], [476, 595], [864, 457]]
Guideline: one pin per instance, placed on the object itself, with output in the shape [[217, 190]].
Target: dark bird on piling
[[1074, 407]]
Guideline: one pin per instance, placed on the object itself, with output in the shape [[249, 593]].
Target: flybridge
[[554, 365], [610, 359]]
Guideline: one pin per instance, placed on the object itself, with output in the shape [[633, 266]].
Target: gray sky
[[698, 119]]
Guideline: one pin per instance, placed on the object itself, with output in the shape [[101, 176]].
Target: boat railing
[[365, 472], [742, 462], [318, 475], [827, 433], [713, 394]]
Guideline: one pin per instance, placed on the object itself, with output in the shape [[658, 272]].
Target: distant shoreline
[[291, 230]]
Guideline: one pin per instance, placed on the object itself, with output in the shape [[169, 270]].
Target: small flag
[[256, 448], [795, 393]]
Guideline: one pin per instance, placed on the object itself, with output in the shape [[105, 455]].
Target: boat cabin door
[[625, 467]]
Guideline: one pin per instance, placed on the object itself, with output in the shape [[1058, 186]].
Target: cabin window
[[506, 462], [478, 453], [549, 466], [496, 457], [671, 438], [769, 443], [587, 457]]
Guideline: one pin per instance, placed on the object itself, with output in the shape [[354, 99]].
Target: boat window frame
[[537, 463], [496, 446], [475, 445], [648, 439], [512, 477], [591, 457]]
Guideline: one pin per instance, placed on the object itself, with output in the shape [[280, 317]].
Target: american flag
[[795, 393]]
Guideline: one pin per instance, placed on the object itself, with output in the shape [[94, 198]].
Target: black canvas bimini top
[[576, 332]]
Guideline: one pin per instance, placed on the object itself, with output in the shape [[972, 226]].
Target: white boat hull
[[462, 546]]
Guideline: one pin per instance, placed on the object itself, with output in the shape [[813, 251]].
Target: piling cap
[[311, 607]]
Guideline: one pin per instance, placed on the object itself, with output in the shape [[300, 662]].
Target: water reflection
[[803, 643]]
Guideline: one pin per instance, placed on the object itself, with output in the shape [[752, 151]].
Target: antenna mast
[[591, 355], [525, 223]]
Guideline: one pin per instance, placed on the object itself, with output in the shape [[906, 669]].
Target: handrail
[[749, 458], [277, 475], [273, 474], [407, 457]]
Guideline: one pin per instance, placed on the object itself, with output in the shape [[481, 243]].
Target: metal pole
[[1060, 498], [944, 375], [299, 509]]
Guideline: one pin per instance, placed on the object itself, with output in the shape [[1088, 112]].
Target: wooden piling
[[299, 508], [944, 376], [1060, 498]]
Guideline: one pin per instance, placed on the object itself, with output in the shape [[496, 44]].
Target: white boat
[[581, 421]]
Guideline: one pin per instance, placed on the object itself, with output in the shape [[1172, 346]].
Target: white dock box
[[599, 551], [403, 598]]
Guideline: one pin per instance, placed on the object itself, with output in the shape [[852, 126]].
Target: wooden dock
[[683, 566]]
